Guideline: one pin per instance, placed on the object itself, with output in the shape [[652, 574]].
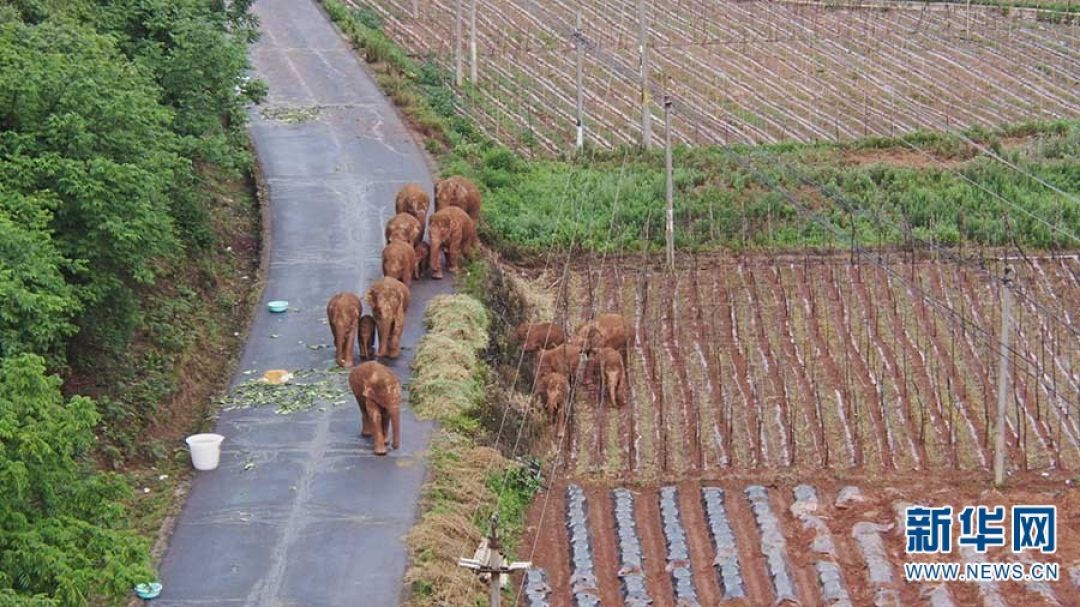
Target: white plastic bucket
[[205, 450]]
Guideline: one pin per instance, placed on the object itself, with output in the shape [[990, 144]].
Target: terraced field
[[812, 363], [738, 543], [752, 72]]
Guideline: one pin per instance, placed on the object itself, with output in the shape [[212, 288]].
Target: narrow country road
[[300, 513]]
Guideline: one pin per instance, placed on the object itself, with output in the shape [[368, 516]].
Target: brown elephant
[[403, 228], [389, 300], [399, 261], [422, 254], [538, 336], [562, 359], [452, 230], [367, 337], [606, 330], [552, 390], [414, 200], [612, 373], [458, 191], [378, 392], [343, 312]]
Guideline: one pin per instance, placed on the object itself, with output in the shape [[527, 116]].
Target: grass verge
[[468, 480]]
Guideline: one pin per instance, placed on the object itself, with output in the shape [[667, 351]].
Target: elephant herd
[[604, 342], [405, 257]]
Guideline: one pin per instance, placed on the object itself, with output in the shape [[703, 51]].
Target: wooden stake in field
[[459, 66], [670, 198], [646, 115], [473, 69], [1003, 378], [580, 52]]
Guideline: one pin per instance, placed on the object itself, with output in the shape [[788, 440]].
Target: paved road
[[319, 521]]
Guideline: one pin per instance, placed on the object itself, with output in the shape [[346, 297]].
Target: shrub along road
[[300, 512]]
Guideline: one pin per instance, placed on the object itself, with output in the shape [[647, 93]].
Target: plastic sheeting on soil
[[804, 508], [536, 588], [678, 552], [727, 553], [773, 545], [583, 582], [630, 569]]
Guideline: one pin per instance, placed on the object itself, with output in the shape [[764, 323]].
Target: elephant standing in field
[[399, 261], [538, 336], [458, 191], [378, 393], [451, 230], [414, 200], [606, 330], [367, 337], [553, 389], [343, 313], [404, 228], [612, 374], [389, 300], [422, 254], [562, 359]]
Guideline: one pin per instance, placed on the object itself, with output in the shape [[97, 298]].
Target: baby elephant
[[378, 393], [389, 300], [552, 389], [343, 313], [367, 337], [538, 336], [421, 252], [405, 228], [612, 374], [399, 261]]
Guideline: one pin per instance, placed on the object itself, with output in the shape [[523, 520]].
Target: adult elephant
[[451, 230], [389, 300], [562, 359], [403, 228], [458, 191], [378, 393], [343, 313], [399, 261], [538, 336], [414, 200]]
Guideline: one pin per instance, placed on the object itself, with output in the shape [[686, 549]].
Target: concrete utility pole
[[490, 564], [459, 68], [1003, 377], [670, 197], [646, 116], [472, 42], [580, 48]]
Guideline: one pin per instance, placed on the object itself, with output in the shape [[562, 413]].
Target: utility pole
[[580, 48], [490, 565], [459, 69], [416, 9], [472, 42], [1003, 377], [646, 116], [670, 197]]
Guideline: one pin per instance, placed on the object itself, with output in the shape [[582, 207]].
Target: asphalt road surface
[[300, 512]]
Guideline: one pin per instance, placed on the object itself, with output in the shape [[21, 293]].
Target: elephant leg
[[385, 423], [436, 259], [613, 386], [350, 337], [365, 419], [453, 256], [384, 336], [406, 277], [395, 339], [339, 349], [377, 426]]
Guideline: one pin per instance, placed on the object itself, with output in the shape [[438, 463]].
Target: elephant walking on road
[[457, 191], [343, 313], [451, 230], [378, 393], [399, 261], [389, 300]]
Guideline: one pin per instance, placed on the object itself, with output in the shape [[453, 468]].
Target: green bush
[[61, 536]]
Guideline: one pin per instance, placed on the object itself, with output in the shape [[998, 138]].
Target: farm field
[[784, 410], [815, 365], [751, 72]]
